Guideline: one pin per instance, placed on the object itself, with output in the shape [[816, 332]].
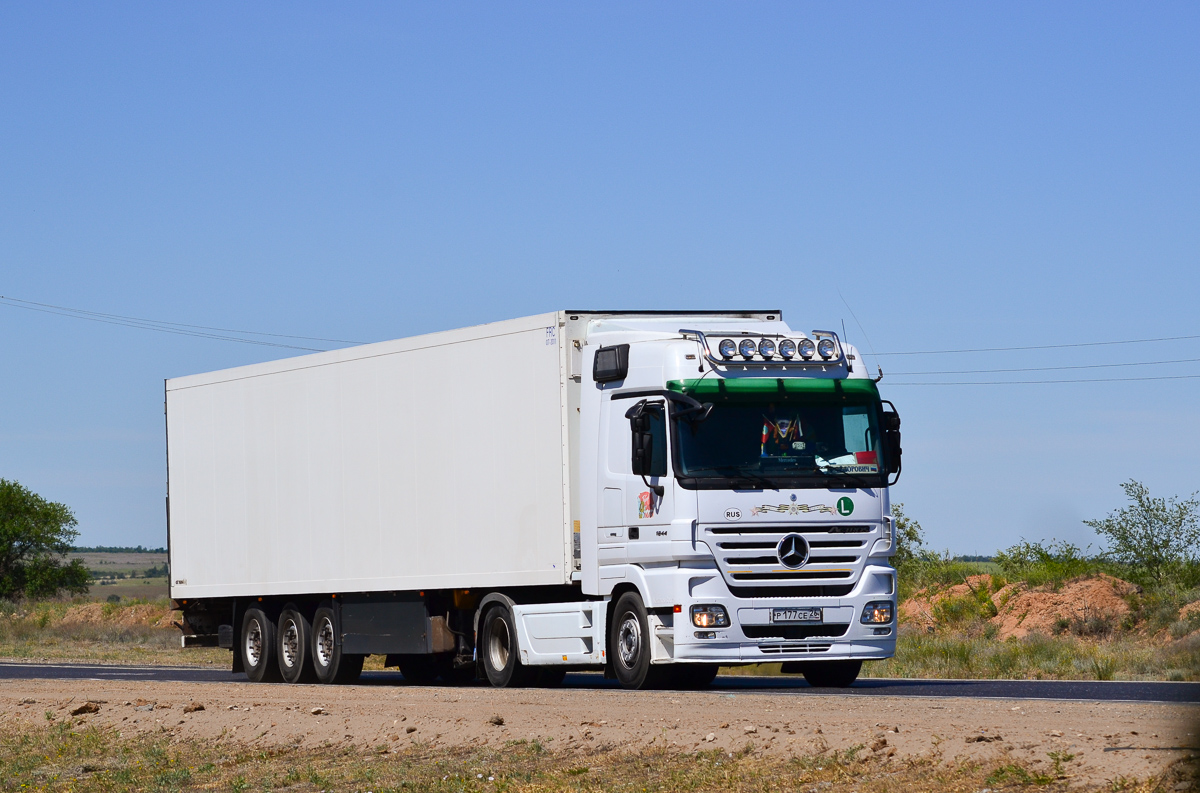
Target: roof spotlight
[[747, 348], [825, 348], [766, 348], [807, 348], [787, 348], [727, 348]]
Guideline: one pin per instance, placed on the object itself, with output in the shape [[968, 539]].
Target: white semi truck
[[653, 494]]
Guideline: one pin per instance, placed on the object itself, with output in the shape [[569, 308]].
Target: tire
[[257, 647], [329, 663], [293, 639], [629, 644], [693, 676], [831, 674], [498, 649]]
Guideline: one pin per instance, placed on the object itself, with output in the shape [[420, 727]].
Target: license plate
[[795, 615]]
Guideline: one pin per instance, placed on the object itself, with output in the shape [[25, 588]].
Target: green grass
[[950, 654]]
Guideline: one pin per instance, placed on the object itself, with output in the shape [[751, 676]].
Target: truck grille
[[793, 647], [746, 558]]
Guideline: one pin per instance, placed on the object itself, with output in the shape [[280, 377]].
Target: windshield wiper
[[732, 472]]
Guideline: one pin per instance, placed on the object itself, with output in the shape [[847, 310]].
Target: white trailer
[[569, 490]]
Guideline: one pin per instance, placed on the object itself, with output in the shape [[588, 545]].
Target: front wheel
[[629, 644], [831, 674]]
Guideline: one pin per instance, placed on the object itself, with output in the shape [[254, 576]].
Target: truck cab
[[734, 496]]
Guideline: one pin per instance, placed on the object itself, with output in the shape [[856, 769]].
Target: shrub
[[1156, 537], [1038, 563]]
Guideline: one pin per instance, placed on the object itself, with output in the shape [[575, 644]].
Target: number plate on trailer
[[796, 615]]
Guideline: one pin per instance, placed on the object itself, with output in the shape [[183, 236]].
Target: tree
[[910, 539], [1153, 535], [35, 537]]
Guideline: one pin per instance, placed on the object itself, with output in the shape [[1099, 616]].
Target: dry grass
[[65, 756], [38, 632]]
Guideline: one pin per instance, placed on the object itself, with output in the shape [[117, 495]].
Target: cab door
[[634, 508]]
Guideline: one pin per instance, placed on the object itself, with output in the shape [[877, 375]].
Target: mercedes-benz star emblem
[[793, 551]]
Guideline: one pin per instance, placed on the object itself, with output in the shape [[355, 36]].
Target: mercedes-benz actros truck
[[652, 494]]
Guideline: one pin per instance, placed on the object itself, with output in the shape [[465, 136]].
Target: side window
[[658, 431]]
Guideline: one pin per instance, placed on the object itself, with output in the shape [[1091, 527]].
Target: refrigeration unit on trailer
[[652, 494]]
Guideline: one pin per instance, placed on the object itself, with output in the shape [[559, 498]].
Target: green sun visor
[[715, 387]]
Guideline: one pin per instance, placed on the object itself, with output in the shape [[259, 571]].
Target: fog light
[[706, 634], [710, 616], [825, 348], [727, 348], [747, 348], [878, 612], [806, 348], [882, 631]]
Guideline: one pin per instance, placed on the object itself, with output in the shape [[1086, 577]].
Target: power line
[[1041, 346], [175, 324], [1045, 368], [161, 326], [1049, 382]]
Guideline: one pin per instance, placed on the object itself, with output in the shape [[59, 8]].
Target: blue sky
[[965, 175]]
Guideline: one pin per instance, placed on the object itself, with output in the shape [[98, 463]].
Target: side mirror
[[643, 440], [891, 439], [891, 443]]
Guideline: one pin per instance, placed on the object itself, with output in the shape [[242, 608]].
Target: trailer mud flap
[[385, 624], [563, 634]]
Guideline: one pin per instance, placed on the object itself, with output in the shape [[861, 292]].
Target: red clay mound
[[1027, 611], [918, 609]]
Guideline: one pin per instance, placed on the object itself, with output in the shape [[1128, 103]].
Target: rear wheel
[[292, 646], [831, 674], [498, 643], [257, 647], [330, 664]]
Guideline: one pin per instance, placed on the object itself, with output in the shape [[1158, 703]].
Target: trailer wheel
[[257, 647], [629, 644], [329, 663], [498, 649], [830, 674], [293, 640]]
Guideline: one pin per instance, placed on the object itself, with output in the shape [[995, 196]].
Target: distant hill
[[117, 549]]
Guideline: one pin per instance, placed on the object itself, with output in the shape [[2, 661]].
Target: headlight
[[766, 348], [878, 612], [747, 348], [712, 616], [825, 348], [807, 348], [727, 348], [787, 348]]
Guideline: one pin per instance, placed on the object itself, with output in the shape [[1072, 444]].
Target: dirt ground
[[1138, 736]]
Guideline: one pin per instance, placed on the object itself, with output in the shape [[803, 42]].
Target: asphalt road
[[1080, 690]]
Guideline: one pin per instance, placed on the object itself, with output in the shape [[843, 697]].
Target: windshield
[[780, 434]]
